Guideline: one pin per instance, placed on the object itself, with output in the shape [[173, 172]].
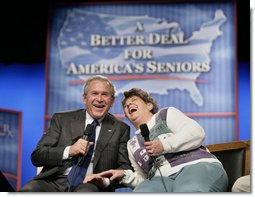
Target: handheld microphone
[[87, 134], [145, 132]]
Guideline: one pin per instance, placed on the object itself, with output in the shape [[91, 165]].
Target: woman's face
[[136, 109]]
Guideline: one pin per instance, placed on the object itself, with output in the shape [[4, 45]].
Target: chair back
[[232, 156]]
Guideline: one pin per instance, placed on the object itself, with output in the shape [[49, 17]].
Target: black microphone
[[145, 132], [87, 134]]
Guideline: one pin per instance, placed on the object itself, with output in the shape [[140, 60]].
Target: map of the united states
[[168, 67]]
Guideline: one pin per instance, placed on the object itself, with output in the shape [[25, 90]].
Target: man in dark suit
[[62, 144]]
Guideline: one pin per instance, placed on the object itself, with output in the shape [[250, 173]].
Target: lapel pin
[[109, 130]]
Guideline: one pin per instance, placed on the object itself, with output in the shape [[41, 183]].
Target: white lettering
[[138, 54]]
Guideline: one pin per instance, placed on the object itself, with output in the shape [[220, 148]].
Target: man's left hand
[[97, 179]]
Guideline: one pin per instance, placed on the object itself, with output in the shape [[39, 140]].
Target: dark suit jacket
[[65, 128]]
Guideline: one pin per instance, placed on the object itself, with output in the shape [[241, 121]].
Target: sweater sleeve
[[185, 133], [133, 178]]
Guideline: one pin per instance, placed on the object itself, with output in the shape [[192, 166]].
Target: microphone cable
[[161, 176], [87, 134], [145, 133]]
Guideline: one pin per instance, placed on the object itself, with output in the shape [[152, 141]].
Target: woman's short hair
[[142, 95]]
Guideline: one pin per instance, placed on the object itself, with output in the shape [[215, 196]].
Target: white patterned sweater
[[182, 140]]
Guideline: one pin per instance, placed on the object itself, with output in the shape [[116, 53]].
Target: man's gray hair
[[85, 88]]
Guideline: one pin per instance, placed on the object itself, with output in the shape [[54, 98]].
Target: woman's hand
[[154, 148]]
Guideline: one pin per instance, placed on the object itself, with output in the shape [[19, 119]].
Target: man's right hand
[[81, 146]]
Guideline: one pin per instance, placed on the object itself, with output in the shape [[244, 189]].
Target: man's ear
[[84, 99]]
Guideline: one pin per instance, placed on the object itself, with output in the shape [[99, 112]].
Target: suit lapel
[[77, 125], [106, 132]]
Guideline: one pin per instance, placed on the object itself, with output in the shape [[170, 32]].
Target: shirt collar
[[89, 119]]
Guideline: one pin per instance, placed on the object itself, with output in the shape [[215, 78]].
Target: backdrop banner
[[10, 149], [183, 54]]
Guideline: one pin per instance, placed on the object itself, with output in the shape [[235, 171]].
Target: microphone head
[[145, 131], [89, 130]]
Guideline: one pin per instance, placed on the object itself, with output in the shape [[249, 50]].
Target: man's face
[[136, 109], [98, 99]]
